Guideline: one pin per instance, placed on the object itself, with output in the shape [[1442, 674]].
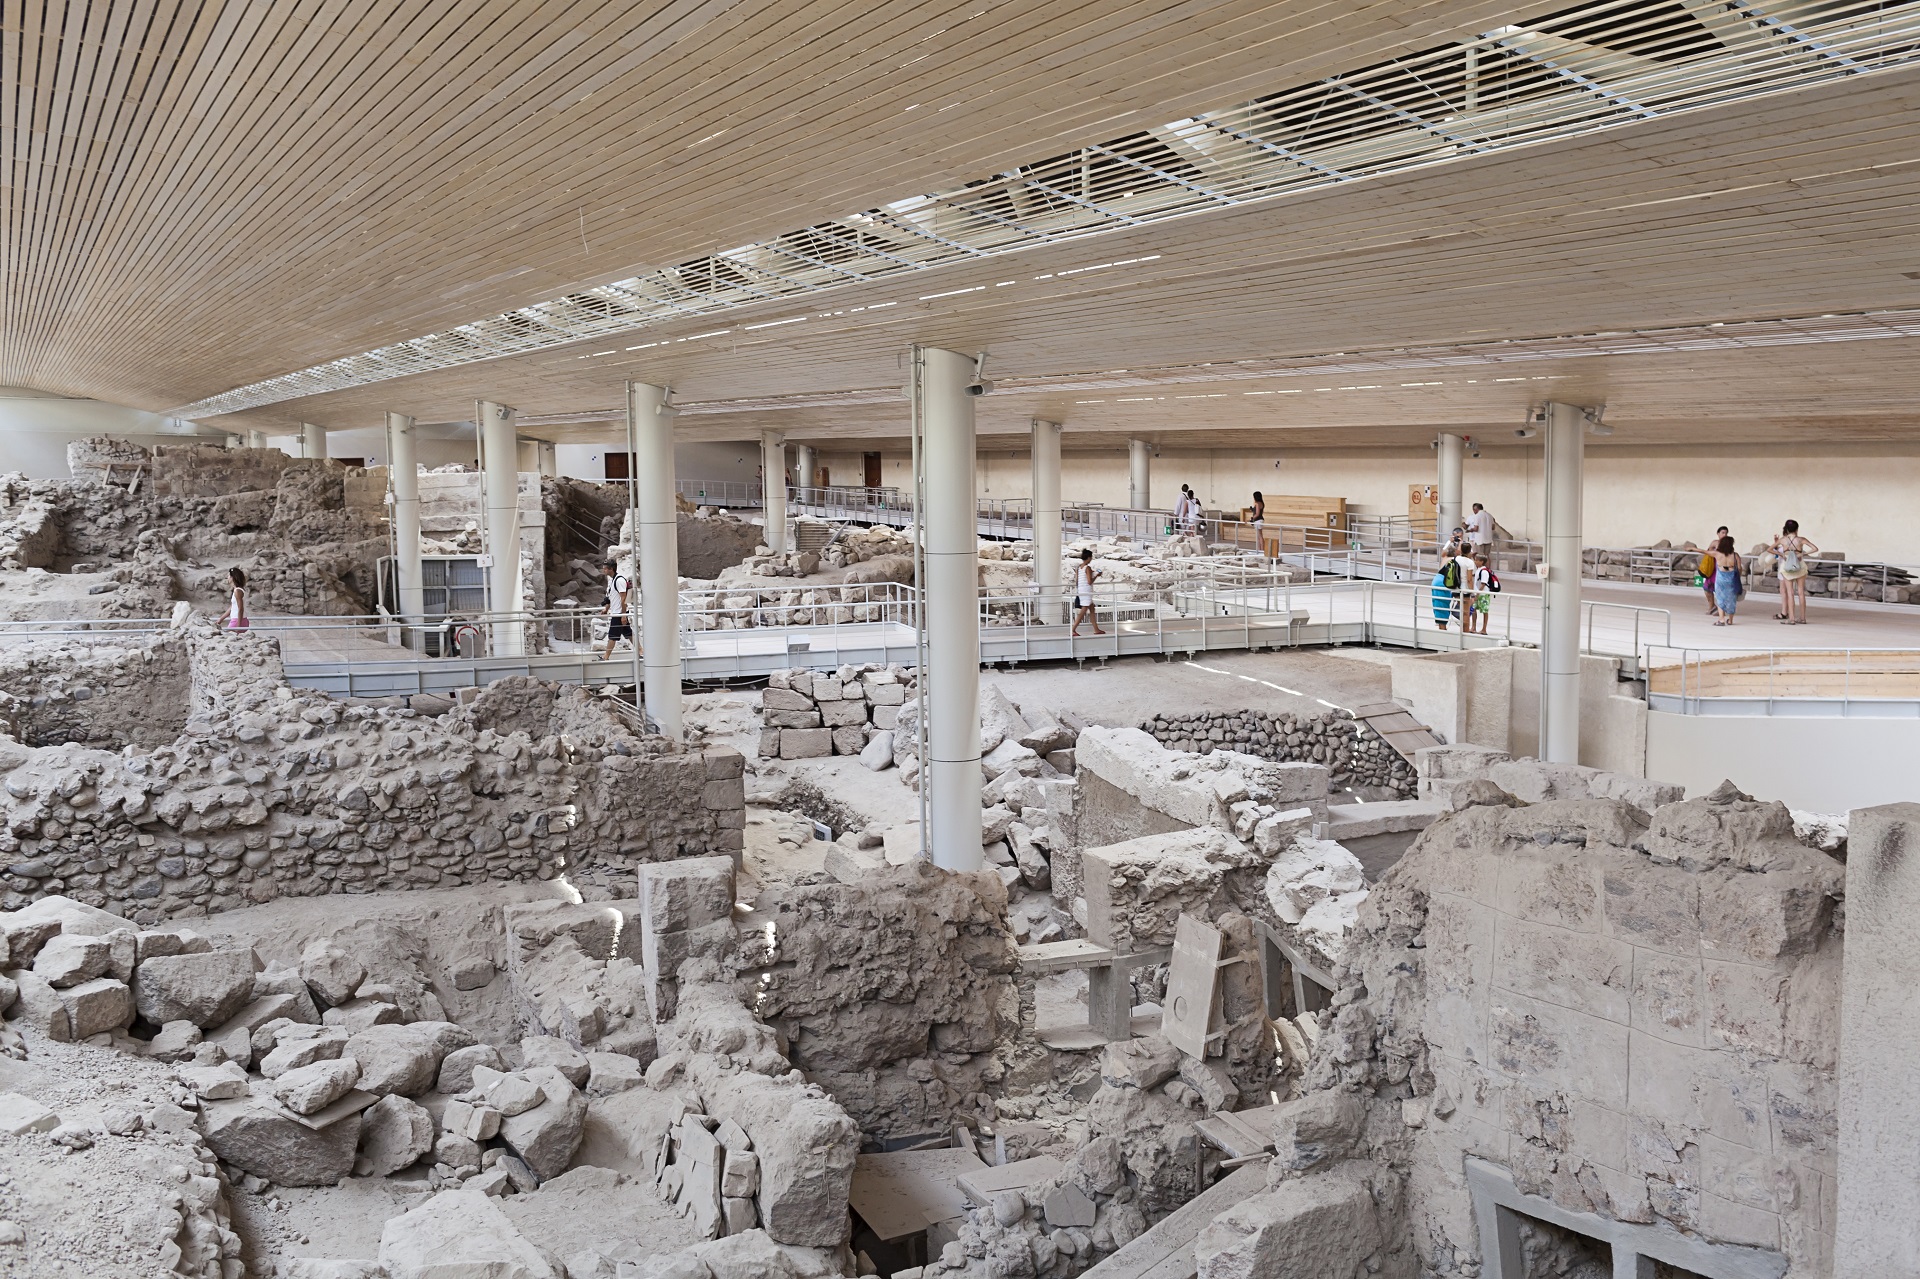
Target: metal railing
[[1868, 683], [740, 493]]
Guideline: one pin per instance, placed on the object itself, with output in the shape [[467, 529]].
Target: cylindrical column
[[403, 482], [1046, 521], [1139, 475], [313, 440], [804, 462], [1560, 587], [951, 611], [548, 457], [500, 504], [773, 488], [1447, 512], [656, 522], [256, 439]]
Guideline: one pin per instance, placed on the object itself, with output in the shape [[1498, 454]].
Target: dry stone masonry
[[1355, 754]]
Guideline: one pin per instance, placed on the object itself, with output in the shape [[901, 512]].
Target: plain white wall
[[35, 430], [1823, 765], [725, 460]]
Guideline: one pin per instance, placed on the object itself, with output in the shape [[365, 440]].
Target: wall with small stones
[[1354, 753], [272, 793], [105, 695]]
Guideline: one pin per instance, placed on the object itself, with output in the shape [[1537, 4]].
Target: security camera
[[979, 386], [1527, 432]]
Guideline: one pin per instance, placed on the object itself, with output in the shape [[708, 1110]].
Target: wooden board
[[1166, 1251], [981, 1187], [1053, 956], [902, 1193], [1397, 727], [1191, 982]]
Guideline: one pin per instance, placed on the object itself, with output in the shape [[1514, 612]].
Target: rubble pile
[[1356, 755], [850, 711], [276, 793]]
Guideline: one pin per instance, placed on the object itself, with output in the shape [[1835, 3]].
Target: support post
[[804, 462], [1447, 514], [1560, 587], [951, 608], [548, 456], [1139, 475], [403, 483], [313, 440], [500, 503], [773, 488], [256, 439], [657, 529], [1047, 572]]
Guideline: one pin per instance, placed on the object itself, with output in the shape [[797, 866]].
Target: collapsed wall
[[271, 792], [1631, 1014], [103, 694]]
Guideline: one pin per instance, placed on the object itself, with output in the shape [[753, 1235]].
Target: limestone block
[[294, 1052], [20, 1115], [509, 1093], [215, 1083], [97, 1006], [789, 720], [312, 1088], [276, 980], [843, 713], [1143, 1063], [456, 1070], [1323, 1225], [25, 937], [780, 699], [545, 1050], [893, 694], [850, 740], [805, 743], [361, 1014], [877, 754], [887, 717], [402, 1059], [546, 1136], [205, 989], [68, 960], [686, 893], [458, 1234], [1308, 871], [610, 1073], [161, 942], [330, 972], [175, 1042], [395, 1134], [257, 1136], [1318, 1128], [1009, 757], [39, 1005]]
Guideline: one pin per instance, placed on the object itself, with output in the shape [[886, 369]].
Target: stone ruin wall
[[100, 695], [1354, 753], [272, 792], [1632, 1011]]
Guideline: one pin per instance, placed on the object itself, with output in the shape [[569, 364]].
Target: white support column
[[313, 440], [951, 609], [547, 455], [256, 439], [804, 461], [1139, 475], [1447, 513], [1560, 587], [1047, 573], [773, 487], [403, 482], [500, 502], [656, 523]]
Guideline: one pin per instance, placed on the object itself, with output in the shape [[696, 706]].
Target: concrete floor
[[1127, 690]]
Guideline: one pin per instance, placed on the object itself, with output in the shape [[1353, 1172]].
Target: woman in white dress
[[237, 619], [1083, 578]]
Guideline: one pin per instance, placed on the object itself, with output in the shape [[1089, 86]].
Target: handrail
[[1793, 680]]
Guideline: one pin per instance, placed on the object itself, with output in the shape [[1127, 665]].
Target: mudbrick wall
[[1353, 752], [105, 695], [270, 792], [1635, 1014]]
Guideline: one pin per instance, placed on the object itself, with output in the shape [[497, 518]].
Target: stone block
[[610, 1073], [805, 743], [787, 720], [403, 1059], [546, 1136], [456, 1069], [39, 1005], [887, 717], [850, 741], [395, 1134], [259, 1137], [459, 1234], [20, 1115], [545, 1050], [1320, 1225], [315, 1087], [215, 1083], [330, 972], [843, 713], [68, 960], [877, 754], [98, 1006], [780, 699], [686, 893], [206, 989], [291, 1052]]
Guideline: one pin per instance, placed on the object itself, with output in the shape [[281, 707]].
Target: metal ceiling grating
[[1569, 73]]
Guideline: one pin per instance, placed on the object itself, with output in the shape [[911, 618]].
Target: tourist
[[1259, 523], [1790, 552], [1482, 593], [1703, 573], [618, 625], [237, 619], [1442, 595], [1083, 578], [1727, 589], [1480, 530]]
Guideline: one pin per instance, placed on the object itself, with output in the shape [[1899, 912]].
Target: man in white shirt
[[1480, 529], [619, 620]]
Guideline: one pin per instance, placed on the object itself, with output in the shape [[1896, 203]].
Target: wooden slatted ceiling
[[1795, 205], [201, 194]]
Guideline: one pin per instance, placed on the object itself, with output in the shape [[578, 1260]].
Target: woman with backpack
[[1791, 552], [1703, 572]]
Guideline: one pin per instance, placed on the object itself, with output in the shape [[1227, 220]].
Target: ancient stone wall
[[1354, 753], [104, 695], [274, 793], [1634, 1014]]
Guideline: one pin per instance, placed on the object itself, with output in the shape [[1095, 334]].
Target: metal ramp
[[1397, 727]]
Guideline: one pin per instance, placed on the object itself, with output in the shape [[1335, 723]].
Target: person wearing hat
[[618, 624]]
